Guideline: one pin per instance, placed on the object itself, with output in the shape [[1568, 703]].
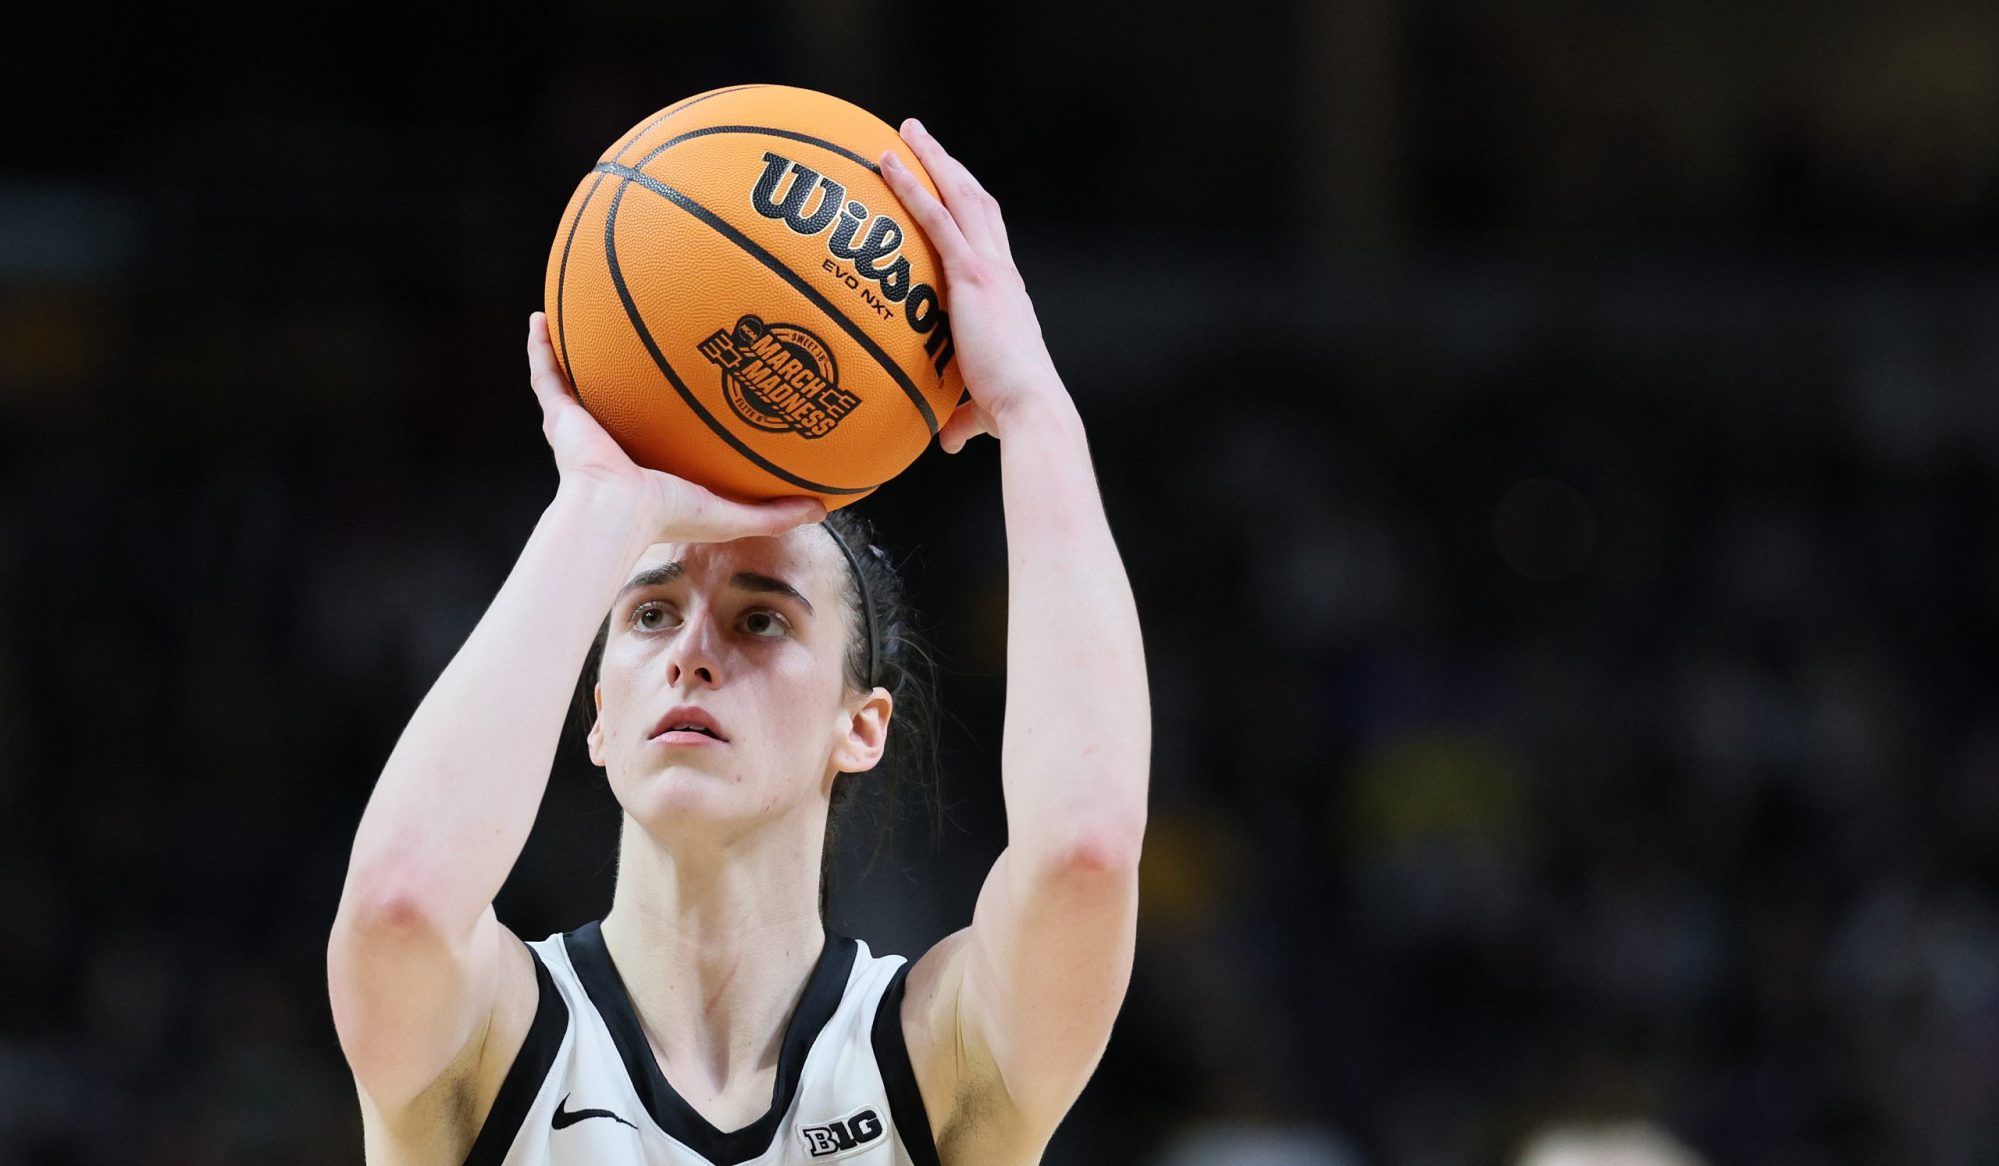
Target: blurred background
[[1553, 444]]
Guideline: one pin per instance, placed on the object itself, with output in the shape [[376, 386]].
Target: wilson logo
[[872, 245], [849, 1133], [779, 377]]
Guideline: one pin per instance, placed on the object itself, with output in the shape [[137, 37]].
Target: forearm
[[459, 793], [1078, 737]]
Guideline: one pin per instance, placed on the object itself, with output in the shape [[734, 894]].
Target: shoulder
[[971, 1118]]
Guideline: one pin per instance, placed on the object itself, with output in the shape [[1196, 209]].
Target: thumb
[[545, 376], [784, 513], [709, 517], [963, 425]]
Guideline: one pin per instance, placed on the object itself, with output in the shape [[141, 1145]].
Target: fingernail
[[918, 125], [892, 162]]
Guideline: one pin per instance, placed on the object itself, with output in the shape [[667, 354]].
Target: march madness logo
[[779, 377], [849, 1133]]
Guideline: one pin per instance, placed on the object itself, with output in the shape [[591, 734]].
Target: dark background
[[1553, 445]]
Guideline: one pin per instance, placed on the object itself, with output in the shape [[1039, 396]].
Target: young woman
[[710, 1017]]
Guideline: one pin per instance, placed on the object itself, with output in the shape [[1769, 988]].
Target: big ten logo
[[845, 1135], [877, 256]]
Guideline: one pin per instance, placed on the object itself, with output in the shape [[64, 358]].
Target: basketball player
[[710, 1017]]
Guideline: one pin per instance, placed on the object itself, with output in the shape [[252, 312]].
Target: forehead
[[803, 556]]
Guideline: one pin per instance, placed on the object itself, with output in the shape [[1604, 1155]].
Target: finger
[[960, 195], [931, 215], [970, 204], [544, 374]]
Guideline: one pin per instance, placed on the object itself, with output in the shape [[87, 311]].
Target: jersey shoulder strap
[[891, 1048], [525, 1075]]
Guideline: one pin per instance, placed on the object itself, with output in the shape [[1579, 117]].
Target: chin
[[670, 798]]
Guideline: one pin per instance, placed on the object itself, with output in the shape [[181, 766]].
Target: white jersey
[[586, 1088]]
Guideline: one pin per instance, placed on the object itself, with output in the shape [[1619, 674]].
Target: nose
[[692, 657]]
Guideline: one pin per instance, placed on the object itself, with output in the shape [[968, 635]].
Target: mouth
[[685, 737], [687, 725]]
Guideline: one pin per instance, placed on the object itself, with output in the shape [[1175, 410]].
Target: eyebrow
[[742, 581]]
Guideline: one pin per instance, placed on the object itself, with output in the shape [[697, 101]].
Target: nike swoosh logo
[[571, 1117]]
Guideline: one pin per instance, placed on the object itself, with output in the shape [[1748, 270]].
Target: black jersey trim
[[905, 1100], [525, 1076], [677, 1119]]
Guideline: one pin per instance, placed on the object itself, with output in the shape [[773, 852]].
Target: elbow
[[1103, 848], [392, 902], [384, 910]]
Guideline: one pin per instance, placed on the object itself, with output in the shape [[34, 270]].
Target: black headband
[[867, 601]]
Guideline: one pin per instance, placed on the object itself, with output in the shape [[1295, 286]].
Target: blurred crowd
[[1563, 518]]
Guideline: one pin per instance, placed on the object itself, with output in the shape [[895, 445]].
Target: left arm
[[1050, 950], [1026, 996]]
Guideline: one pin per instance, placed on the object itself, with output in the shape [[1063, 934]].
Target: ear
[[864, 733], [596, 734]]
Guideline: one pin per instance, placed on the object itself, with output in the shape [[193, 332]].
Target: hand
[[1005, 361], [670, 509]]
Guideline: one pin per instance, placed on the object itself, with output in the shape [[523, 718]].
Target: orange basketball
[[740, 301]]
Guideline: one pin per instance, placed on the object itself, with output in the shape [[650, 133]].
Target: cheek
[[794, 710], [624, 691]]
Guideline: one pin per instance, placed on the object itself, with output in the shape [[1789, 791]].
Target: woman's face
[[753, 633]]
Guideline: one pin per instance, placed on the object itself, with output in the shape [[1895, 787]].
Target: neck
[[715, 942]]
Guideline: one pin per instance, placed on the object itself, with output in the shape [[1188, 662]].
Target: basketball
[[739, 299]]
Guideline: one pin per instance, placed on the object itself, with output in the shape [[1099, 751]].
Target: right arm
[[417, 960], [415, 953]]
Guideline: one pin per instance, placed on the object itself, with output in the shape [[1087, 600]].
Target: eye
[[764, 618], [761, 622]]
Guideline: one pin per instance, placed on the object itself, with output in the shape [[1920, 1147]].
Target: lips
[[688, 718]]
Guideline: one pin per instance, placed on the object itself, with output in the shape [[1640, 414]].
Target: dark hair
[[906, 668]]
